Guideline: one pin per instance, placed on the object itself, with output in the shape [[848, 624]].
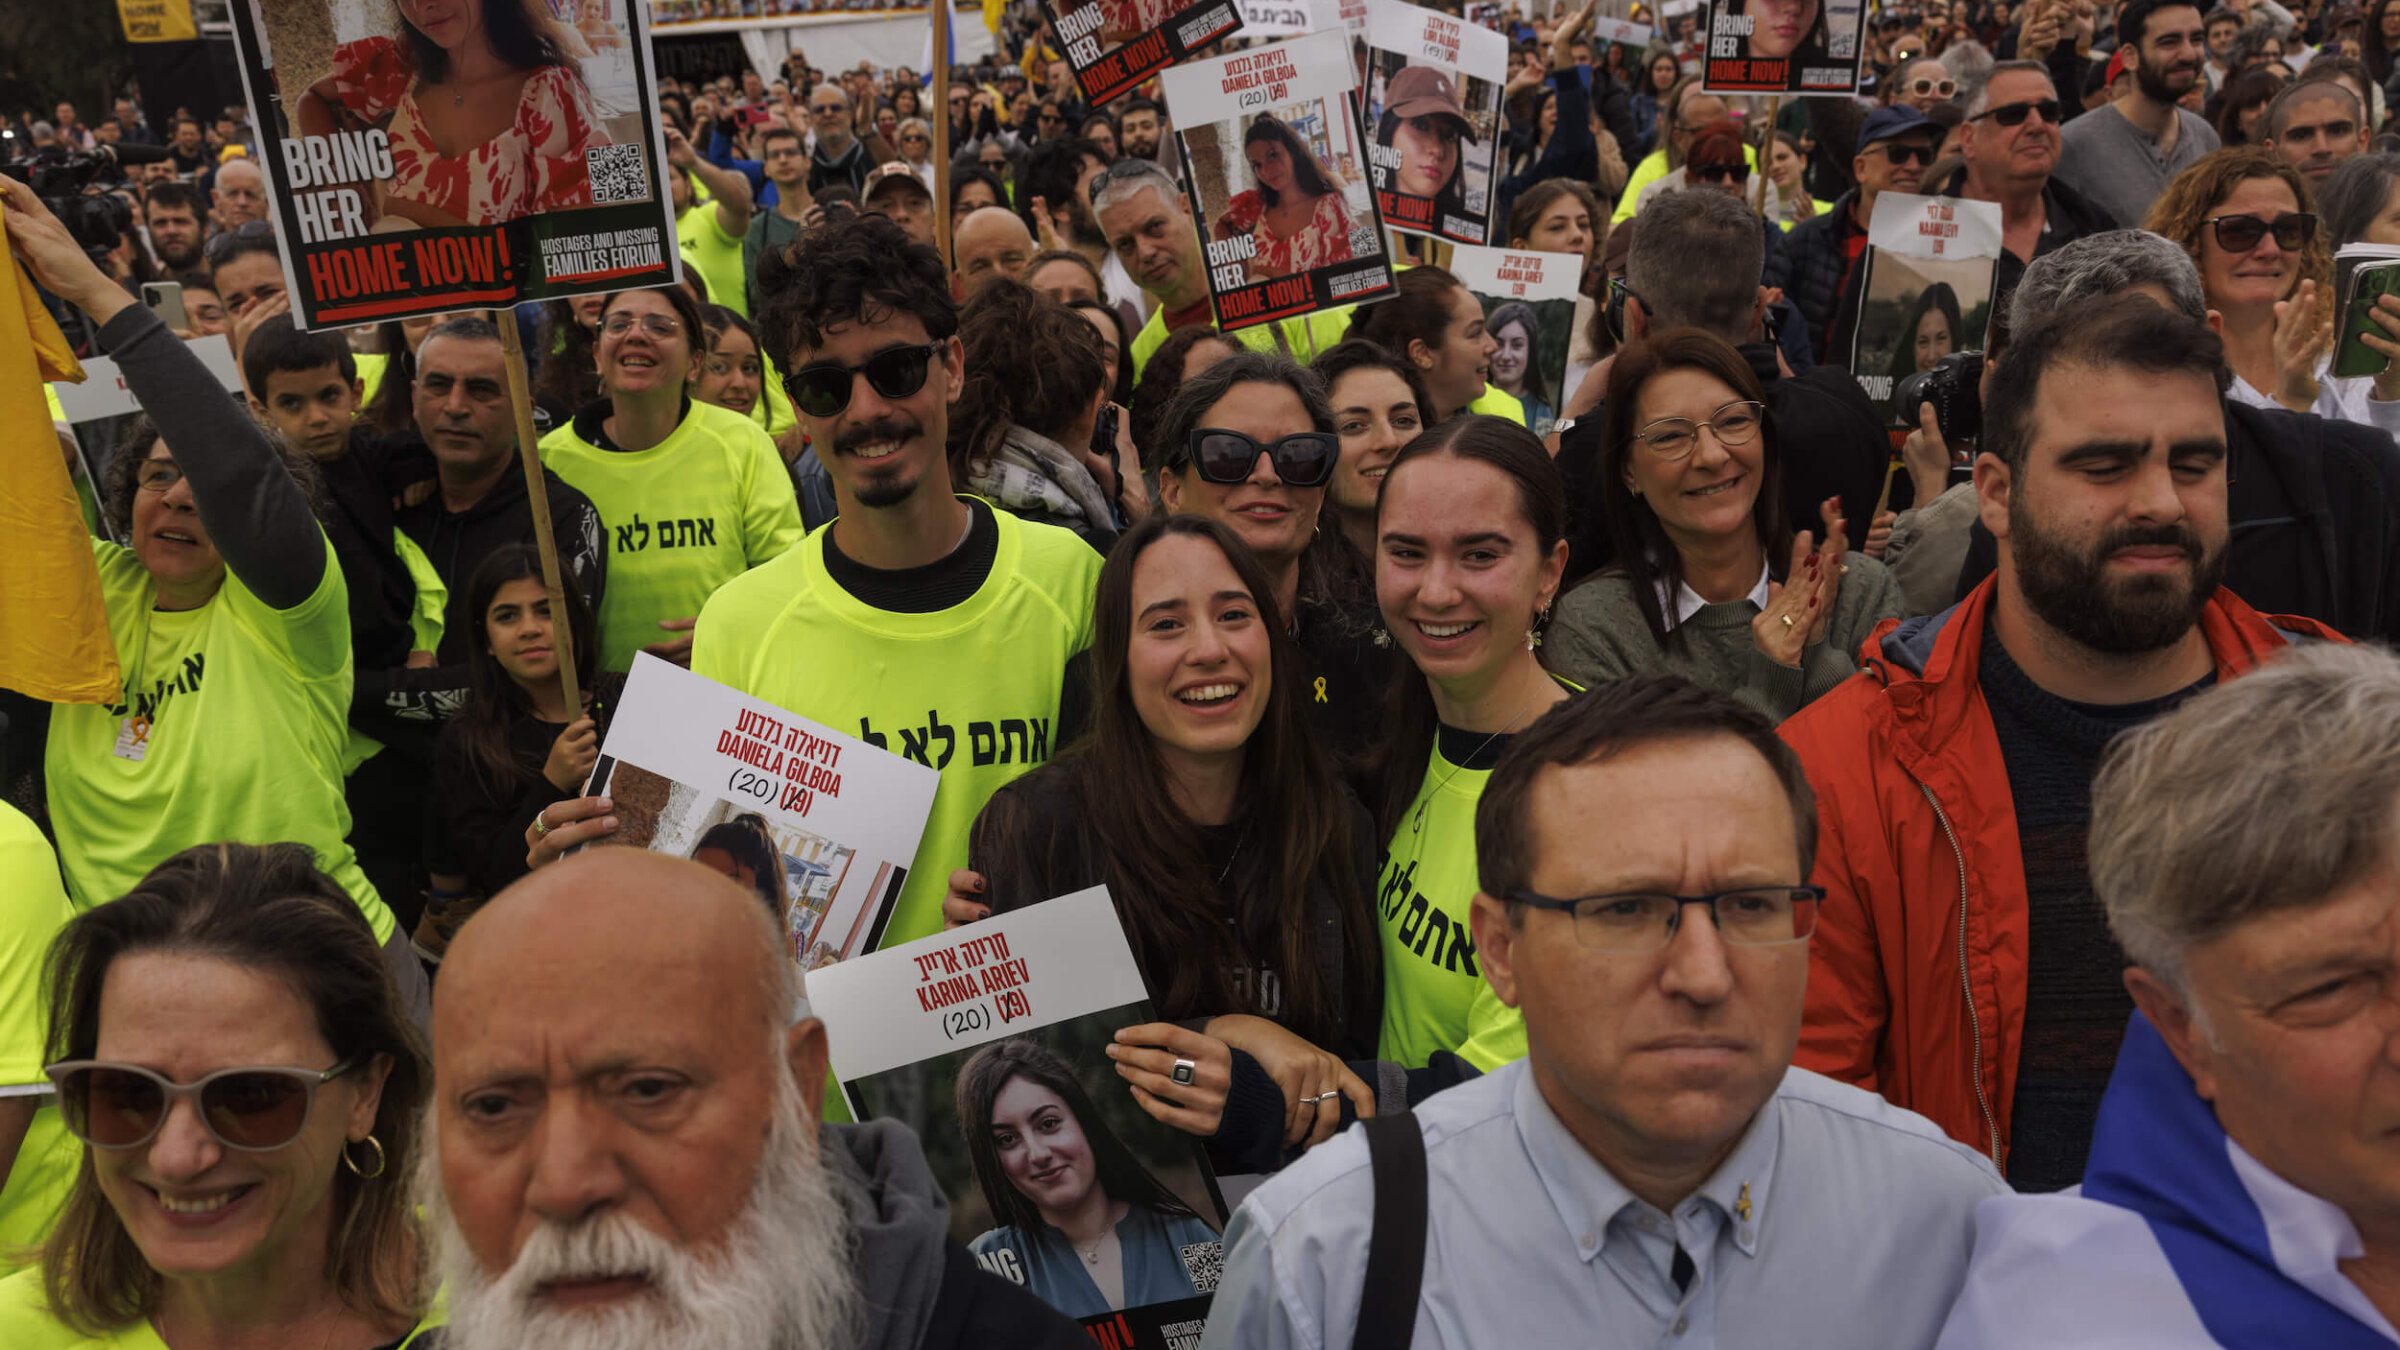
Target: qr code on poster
[[616, 173], [1205, 1262], [1362, 241]]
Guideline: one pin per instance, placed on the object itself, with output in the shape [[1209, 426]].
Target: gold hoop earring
[[381, 1162]]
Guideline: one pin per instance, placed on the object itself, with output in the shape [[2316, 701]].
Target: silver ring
[[1326, 1096], [1185, 1071], [540, 826]]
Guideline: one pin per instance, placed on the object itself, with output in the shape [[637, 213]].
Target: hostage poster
[[821, 825], [1783, 46], [1927, 293], [1433, 109], [990, 1042], [1271, 150], [1529, 310], [402, 187], [1113, 45]]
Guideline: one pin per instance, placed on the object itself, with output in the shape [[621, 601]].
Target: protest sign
[[820, 824], [400, 189], [989, 1041], [1927, 293], [1271, 149], [1433, 106], [1277, 18], [1529, 309], [1113, 45], [1634, 37], [1783, 46]]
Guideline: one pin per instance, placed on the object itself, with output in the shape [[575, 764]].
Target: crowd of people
[[2035, 766]]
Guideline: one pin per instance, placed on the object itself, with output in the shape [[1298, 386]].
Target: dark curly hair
[[860, 271], [1030, 362]]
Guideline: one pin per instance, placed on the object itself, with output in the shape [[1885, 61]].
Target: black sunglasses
[[2240, 234], [2014, 114], [221, 248], [1907, 154], [823, 388], [1303, 459], [1720, 173]]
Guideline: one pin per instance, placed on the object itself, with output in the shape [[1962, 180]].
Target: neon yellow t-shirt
[[714, 254], [1303, 338], [248, 715], [26, 1323], [971, 690], [371, 366], [1498, 402], [33, 907], [684, 517], [1434, 993]]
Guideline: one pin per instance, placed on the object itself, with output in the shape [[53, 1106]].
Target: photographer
[[230, 619]]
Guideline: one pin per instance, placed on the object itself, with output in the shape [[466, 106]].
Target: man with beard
[[172, 213], [875, 622], [2122, 156], [605, 1172], [1141, 128], [1962, 967], [1055, 180]]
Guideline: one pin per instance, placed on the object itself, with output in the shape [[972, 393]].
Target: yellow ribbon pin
[[1321, 690]]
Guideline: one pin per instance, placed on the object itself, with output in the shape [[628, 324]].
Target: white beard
[[782, 1280]]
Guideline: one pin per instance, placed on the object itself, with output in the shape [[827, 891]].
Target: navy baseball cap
[[1885, 124]]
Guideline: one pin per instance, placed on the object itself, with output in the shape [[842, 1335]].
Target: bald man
[[990, 241], [606, 1171]]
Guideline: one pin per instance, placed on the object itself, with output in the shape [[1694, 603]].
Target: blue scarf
[[2159, 1151]]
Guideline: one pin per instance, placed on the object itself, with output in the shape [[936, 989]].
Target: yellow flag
[[991, 13], [157, 20], [54, 641]]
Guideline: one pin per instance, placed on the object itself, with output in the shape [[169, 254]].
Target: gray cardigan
[[1600, 635]]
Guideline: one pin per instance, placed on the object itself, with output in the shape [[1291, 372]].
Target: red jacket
[[1916, 981]]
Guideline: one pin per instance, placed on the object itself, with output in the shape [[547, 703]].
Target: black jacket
[[458, 542], [1827, 433], [2067, 217], [389, 700], [2314, 510]]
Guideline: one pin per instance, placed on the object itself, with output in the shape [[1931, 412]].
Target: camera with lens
[[63, 179], [1955, 389]]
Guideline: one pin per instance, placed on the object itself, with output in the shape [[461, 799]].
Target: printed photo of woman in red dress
[[1295, 214], [486, 112]]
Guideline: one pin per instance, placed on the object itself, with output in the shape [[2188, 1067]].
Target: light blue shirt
[[1838, 1221]]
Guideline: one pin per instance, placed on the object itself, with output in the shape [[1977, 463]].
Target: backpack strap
[[1387, 1306]]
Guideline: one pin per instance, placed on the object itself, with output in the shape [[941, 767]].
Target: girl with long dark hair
[[1236, 858], [1295, 216], [1934, 330], [1470, 551], [1517, 361], [1709, 581], [516, 747], [1379, 405], [567, 375], [743, 849], [1435, 323], [1091, 1230]]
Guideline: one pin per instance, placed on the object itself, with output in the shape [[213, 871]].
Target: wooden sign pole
[[941, 129], [520, 396]]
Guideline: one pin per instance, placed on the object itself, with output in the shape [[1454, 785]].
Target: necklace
[[1091, 1254], [1460, 767], [1238, 841]]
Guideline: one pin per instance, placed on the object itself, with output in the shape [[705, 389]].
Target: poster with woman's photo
[[1529, 310], [1114, 45], [432, 156], [1433, 120], [1927, 293], [990, 1041], [1271, 149], [820, 825], [1783, 46]]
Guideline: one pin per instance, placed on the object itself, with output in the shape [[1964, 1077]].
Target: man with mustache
[[2122, 156], [920, 620], [1962, 966], [605, 1172]]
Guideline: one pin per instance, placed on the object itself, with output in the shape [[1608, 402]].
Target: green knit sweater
[[1600, 635]]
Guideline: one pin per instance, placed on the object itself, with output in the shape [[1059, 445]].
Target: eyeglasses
[[823, 388], [1302, 459], [2014, 114], [2241, 233], [621, 322], [1757, 916], [221, 248], [1900, 154], [1673, 438], [255, 1110], [1922, 87], [157, 475]]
